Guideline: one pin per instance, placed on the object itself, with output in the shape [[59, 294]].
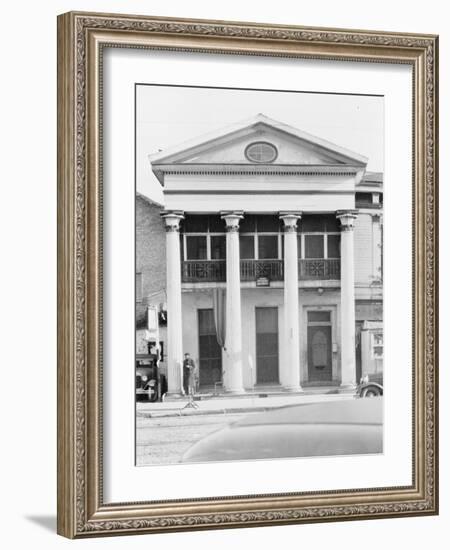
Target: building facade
[[273, 259], [150, 289]]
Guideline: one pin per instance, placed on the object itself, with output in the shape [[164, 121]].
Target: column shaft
[[348, 360], [290, 369], [233, 379], [174, 315]]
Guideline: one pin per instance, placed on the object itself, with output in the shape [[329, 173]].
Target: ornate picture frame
[[82, 38]]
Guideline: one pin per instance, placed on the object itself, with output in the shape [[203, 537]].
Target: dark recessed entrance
[[210, 353], [267, 345]]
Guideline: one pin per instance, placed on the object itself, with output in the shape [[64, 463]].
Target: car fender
[[370, 385]]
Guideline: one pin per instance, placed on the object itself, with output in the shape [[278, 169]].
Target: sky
[[169, 115]]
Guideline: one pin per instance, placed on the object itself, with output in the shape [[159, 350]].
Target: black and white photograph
[[222, 220], [259, 274]]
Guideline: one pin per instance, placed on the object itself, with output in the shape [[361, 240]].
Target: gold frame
[[81, 37]]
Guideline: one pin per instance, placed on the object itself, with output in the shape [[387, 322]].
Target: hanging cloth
[[219, 308]]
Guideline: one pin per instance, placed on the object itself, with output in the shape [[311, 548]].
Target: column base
[[347, 388], [240, 391], [292, 389]]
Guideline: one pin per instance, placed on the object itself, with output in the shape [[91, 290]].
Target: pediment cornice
[[251, 169], [223, 151]]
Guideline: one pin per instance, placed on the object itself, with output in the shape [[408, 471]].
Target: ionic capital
[[347, 219], [172, 219], [290, 220], [232, 219]]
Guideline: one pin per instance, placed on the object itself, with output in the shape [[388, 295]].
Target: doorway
[[319, 347], [267, 345], [210, 353]]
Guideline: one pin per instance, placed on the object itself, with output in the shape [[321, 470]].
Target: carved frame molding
[[81, 37]]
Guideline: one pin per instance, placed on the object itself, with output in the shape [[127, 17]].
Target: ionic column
[[233, 380], [290, 369], [174, 321], [348, 361]]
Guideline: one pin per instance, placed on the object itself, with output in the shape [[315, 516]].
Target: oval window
[[261, 151]]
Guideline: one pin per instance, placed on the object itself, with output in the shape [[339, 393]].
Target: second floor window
[[203, 237], [319, 246], [218, 247], [319, 237], [196, 247], [260, 237], [268, 247], [314, 246]]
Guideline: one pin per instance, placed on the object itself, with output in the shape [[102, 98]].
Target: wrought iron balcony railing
[[251, 270], [198, 271], [319, 269]]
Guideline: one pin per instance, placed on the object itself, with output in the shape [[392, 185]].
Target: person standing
[[188, 375]]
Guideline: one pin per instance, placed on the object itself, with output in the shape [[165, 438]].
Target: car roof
[[349, 411], [328, 428]]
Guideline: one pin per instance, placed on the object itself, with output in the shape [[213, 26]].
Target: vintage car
[[331, 428], [370, 385], [147, 378]]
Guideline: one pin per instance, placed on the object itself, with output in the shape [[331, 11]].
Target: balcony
[[321, 269], [202, 271], [251, 270]]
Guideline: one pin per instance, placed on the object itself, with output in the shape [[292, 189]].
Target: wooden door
[[319, 353], [267, 345]]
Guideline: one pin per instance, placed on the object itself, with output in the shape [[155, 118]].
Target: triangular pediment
[[287, 146], [288, 150]]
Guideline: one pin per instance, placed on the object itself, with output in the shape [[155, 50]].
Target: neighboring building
[[274, 259], [369, 275], [150, 271]]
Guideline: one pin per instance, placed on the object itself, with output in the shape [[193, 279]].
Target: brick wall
[[150, 254]]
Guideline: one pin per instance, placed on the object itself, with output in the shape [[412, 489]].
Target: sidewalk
[[233, 405]]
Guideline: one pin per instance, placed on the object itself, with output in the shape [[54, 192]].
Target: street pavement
[[164, 440], [235, 404], [165, 431]]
